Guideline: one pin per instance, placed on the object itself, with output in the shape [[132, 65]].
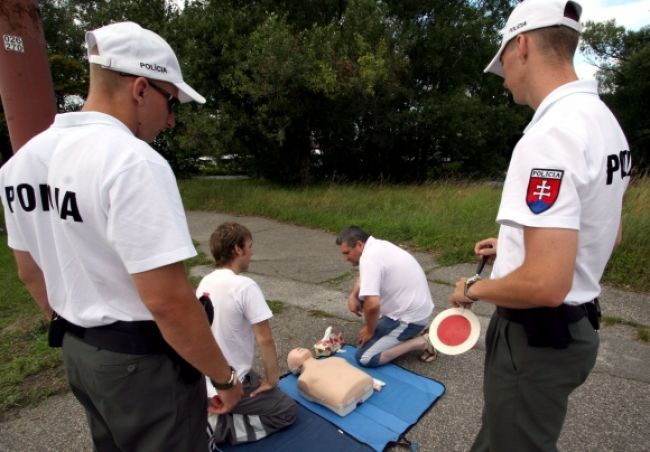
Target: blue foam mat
[[387, 414]]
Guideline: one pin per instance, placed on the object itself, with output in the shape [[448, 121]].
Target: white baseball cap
[[531, 15], [129, 48]]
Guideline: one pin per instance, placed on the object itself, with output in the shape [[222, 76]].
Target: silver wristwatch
[[468, 283]]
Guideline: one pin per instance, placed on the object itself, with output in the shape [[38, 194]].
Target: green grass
[[199, 259], [29, 369], [629, 266], [276, 306], [446, 218]]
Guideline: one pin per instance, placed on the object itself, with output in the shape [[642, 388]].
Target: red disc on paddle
[[454, 331]]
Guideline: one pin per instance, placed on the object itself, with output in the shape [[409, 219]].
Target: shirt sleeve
[[546, 172], [254, 305], [146, 220], [370, 277]]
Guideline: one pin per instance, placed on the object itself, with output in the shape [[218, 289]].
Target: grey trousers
[[254, 417], [135, 402], [526, 389]]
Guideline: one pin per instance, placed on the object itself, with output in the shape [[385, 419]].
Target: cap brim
[[187, 94], [495, 66]]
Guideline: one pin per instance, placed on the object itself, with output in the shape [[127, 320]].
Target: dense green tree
[[64, 38], [352, 89], [305, 90], [455, 108]]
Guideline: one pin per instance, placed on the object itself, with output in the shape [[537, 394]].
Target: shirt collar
[[81, 118], [575, 87]]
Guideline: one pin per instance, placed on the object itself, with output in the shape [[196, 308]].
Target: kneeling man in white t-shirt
[[241, 316], [393, 295]]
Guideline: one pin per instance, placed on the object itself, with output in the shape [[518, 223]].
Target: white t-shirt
[[387, 271], [569, 170], [238, 305], [93, 204]]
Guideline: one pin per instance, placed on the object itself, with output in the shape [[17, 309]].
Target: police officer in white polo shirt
[[99, 234], [559, 221]]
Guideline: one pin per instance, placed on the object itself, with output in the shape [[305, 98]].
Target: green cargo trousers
[[136, 402], [526, 389]]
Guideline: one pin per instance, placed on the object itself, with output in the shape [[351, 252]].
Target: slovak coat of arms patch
[[543, 189]]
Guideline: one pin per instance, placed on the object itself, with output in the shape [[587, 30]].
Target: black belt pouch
[[56, 331], [547, 327], [593, 313]]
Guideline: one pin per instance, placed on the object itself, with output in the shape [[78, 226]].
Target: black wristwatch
[[227, 385], [468, 283]]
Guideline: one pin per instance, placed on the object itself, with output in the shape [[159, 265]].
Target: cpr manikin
[[331, 382]]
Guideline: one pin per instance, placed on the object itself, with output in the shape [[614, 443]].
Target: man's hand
[[365, 335], [457, 299], [263, 387], [487, 247], [226, 399], [354, 306]]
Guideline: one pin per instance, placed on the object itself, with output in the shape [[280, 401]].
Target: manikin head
[[296, 358]]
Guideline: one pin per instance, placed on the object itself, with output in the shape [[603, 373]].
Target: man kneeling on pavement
[[241, 314], [393, 295]]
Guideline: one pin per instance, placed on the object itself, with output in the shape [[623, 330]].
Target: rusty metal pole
[[25, 79]]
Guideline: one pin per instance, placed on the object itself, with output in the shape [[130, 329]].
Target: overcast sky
[[631, 14]]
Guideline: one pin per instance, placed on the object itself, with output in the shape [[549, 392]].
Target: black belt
[[570, 313], [135, 338], [549, 327]]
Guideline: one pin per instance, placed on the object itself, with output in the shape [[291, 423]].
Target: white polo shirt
[[569, 170], [93, 204], [238, 305], [393, 274]]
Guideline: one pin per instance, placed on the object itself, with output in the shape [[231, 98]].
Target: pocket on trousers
[[124, 368]]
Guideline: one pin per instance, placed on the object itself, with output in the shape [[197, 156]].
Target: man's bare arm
[[619, 234], [371, 311], [544, 278], [354, 305], [32, 276], [269, 354], [166, 292]]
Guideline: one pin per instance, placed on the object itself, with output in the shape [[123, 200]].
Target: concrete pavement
[[301, 268]]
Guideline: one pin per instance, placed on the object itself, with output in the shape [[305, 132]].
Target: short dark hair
[[225, 238], [351, 235], [558, 40]]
